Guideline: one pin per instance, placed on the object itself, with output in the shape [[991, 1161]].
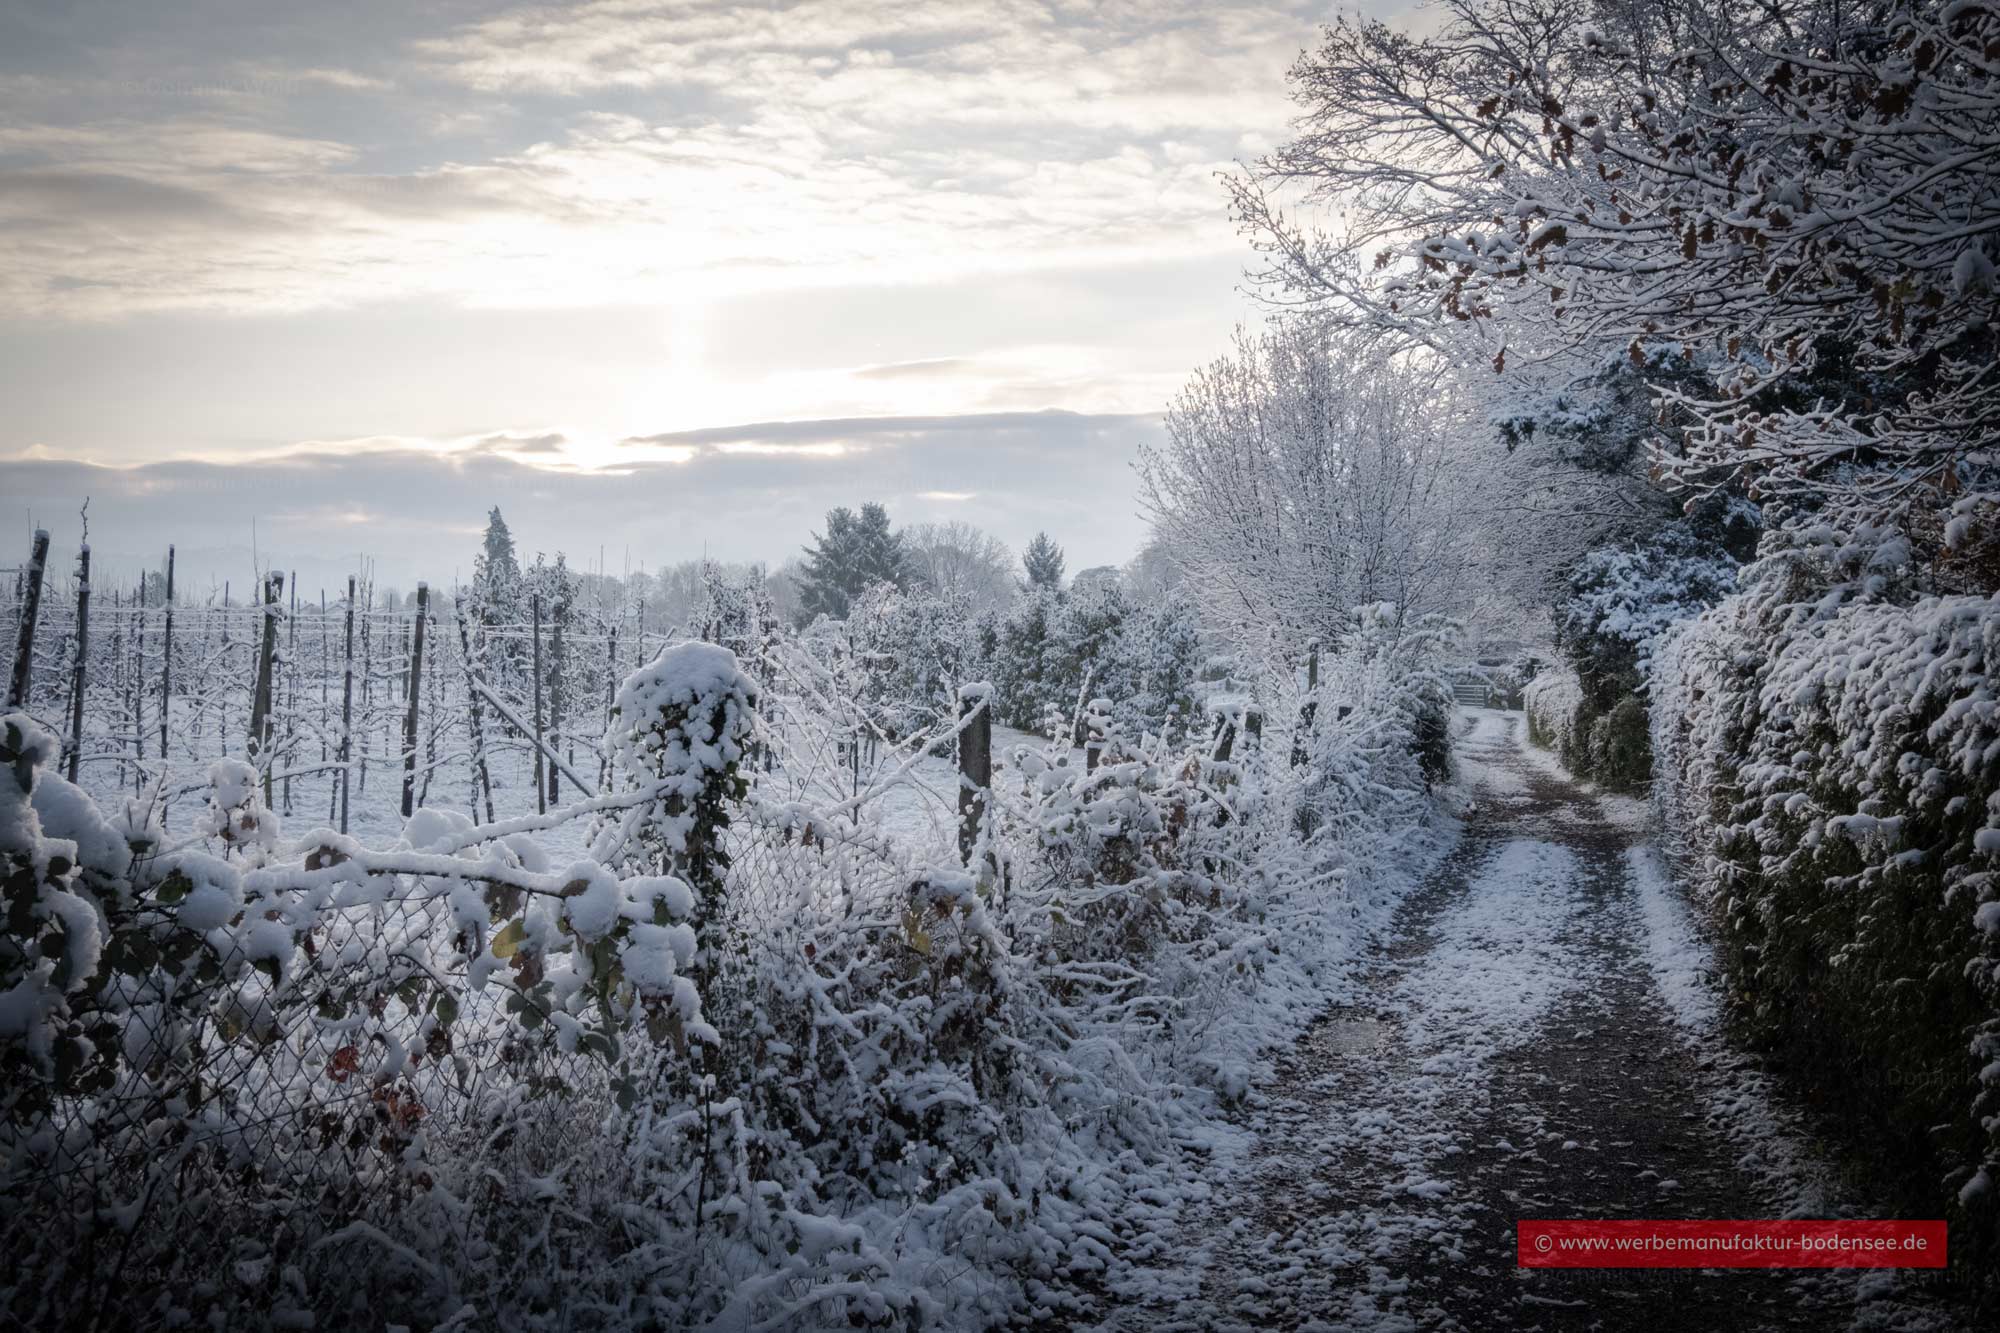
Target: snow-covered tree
[[1786, 188], [1043, 562], [1302, 478], [853, 553], [956, 559], [496, 574]]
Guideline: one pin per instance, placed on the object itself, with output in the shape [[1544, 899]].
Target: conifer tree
[[852, 555], [1043, 561]]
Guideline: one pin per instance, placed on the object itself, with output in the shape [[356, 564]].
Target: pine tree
[[853, 555], [1044, 562]]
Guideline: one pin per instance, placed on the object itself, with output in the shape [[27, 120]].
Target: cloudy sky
[[657, 278]]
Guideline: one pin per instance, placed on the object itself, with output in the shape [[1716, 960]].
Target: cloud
[[897, 370], [550, 443], [336, 501], [662, 153]]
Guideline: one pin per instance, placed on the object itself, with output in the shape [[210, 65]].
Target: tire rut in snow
[[1508, 1057]]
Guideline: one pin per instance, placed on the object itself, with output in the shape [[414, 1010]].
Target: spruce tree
[[496, 574], [879, 556], [854, 554], [1044, 562], [826, 584]]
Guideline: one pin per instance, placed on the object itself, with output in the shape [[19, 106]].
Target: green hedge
[[1831, 766]]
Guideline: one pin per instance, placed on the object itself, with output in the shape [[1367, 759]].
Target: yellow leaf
[[508, 942], [913, 930]]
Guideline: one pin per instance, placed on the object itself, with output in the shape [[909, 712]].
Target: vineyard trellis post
[[541, 792], [347, 709], [258, 743], [31, 605], [324, 708], [416, 694], [167, 660], [367, 681], [557, 654], [82, 659], [291, 692], [484, 776]]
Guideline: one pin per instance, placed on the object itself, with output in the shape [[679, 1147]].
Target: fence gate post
[[975, 765], [31, 606]]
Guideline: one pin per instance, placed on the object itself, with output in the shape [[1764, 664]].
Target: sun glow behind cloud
[[574, 241]]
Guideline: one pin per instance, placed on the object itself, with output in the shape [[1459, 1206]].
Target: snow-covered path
[[1537, 1039]]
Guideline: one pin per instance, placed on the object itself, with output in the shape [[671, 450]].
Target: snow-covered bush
[[752, 1058], [1615, 605], [310, 1050], [1553, 701], [913, 648], [1829, 761], [1620, 598]]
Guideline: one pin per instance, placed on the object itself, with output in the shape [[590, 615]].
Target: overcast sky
[[658, 279]]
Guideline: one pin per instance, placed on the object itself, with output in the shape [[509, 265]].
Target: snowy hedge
[[1830, 762], [1554, 704]]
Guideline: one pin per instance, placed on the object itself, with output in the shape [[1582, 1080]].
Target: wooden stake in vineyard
[[479, 768], [556, 701], [291, 691], [416, 690], [82, 657], [258, 743], [347, 708], [31, 606], [541, 792]]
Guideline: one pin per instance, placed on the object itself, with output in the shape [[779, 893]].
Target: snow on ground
[[1538, 1036]]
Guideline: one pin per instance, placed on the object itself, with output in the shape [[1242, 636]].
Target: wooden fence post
[[1307, 710], [24, 643], [541, 791], [416, 691], [1096, 732], [975, 765], [82, 659], [259, 740]]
